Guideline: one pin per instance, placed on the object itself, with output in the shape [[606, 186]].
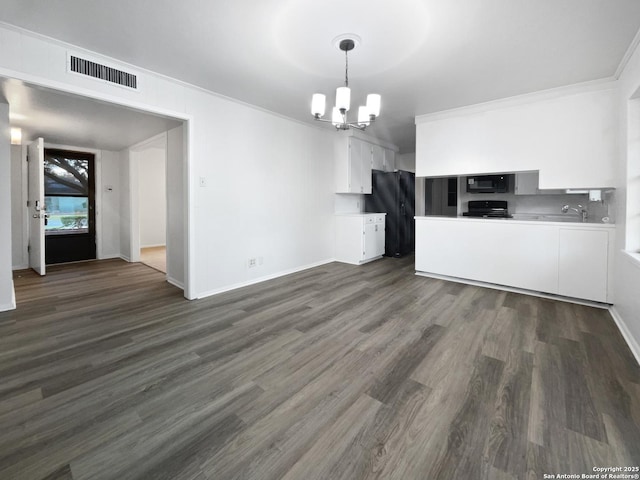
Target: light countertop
[[551, 221]]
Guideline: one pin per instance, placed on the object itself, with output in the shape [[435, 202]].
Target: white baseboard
[[175, 282], [263, 279], [626, 333], [153, 246], [524, 291], [125, 258], [111, 256]]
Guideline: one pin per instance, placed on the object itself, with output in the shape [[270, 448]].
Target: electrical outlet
[[252, 262]]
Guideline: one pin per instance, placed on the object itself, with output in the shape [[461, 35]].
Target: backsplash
[[543, 203]]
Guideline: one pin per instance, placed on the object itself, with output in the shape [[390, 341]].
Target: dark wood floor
[[338, 372]]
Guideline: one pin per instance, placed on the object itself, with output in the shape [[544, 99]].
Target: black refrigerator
[[393, 193]]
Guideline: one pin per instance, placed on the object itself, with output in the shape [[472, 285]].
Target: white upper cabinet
[[568, 136], [354, 160], [377, 157]]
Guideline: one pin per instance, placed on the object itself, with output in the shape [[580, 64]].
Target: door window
[[66, 189]]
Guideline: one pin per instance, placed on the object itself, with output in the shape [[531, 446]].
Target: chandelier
[[367, 114]]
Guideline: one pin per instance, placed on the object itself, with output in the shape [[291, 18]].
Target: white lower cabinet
[[359, 237], [583, 269], [572, 261]]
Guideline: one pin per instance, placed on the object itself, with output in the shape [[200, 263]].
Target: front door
[[36, 206], [69, 189]]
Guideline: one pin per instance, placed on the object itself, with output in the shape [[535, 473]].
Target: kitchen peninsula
[[558, 258]]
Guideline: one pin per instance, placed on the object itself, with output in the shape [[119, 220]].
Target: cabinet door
[[389, 160], [366, 172], [355, 165], [526, 183], [377, 157], [583, 264], [370, 241], [380, 237]]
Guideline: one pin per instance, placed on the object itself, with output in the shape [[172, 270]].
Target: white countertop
[[356, 214], [517, 221]]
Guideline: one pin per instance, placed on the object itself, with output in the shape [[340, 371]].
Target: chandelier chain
[[346, 68]]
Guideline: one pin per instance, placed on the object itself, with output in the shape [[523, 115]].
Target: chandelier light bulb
[[343, 98], [373, 104], [318, 103]]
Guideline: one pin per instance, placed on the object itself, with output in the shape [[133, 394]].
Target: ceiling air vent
[[102, 72]]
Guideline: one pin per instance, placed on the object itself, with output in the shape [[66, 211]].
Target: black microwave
[[488, 184]]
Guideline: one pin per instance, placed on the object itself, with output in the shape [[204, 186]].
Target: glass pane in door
[[66, 189]]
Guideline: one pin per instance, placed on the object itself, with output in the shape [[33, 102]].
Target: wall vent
[[102, 72]]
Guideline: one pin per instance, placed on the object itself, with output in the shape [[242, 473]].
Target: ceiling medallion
[[367, 114]]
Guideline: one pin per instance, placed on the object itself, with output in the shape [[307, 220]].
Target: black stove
[[488, 209]]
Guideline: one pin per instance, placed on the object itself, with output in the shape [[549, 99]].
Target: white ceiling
[[421, 55], [65, 119]]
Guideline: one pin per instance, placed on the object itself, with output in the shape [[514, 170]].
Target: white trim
[[25, 210], [111, 256], [175, 283], [123, 257], [134, 207], [10, 306], [153, 246], [523, 291], [542, 95], [264, 279], [632, 257], [626, 333], [627, 55]]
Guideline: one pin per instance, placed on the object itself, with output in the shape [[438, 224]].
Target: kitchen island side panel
[[493, 251]]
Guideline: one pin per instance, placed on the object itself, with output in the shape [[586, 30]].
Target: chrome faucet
[[582, 213]]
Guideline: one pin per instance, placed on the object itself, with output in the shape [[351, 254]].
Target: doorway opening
[[149, 185], [69, 196], [111, 136]]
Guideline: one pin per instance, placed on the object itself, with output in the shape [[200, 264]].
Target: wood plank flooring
[[338, 372], [155, 257]]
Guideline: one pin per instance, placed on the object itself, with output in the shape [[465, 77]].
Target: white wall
[[627, 267], [406, 161], [269, 180], [19, 228], [108, 206], [176, 207], [125, 205], [7, 299], [152, 197], [569, 134]]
